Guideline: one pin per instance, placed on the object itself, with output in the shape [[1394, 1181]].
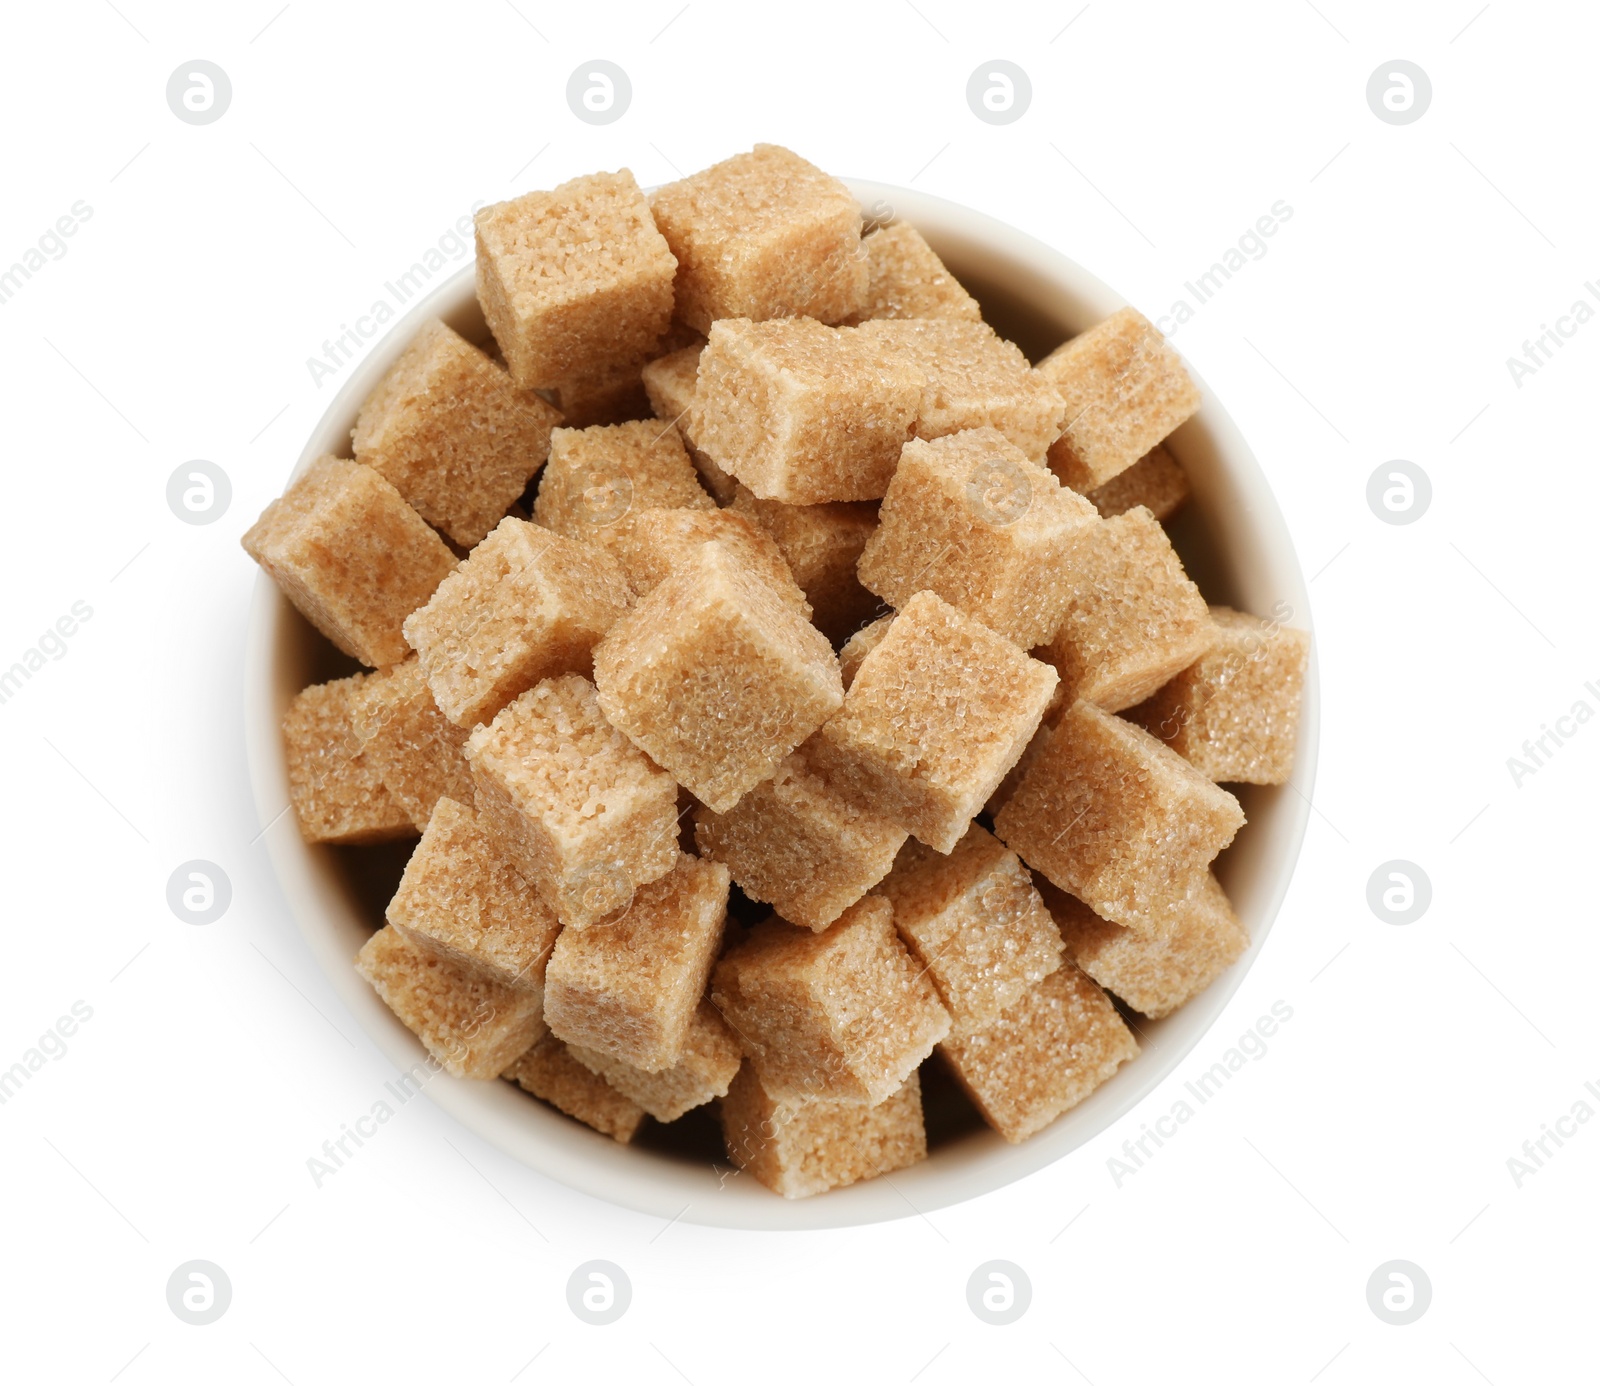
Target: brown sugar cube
[[605, 395], [974, 920], [822, 545], [336, 789], [970, 518], [628, 988], [670, 383], [461, 896], [418, 752], [596, 476], [351, 555], [676, 338], [974, 378], [615, 392], [576, 807], [1111, 815], [859, 646], [794, 844], [763, 235], [806, 1147], [1155, 481], [716, 676], [687, 804], [573, 280], [1125, 389], [1234, 714], [1191, 945], [550, 1073], [473, 1025], [1133, 618], [649, 544], [803, 413], [906, 279], [1014, 776], [706, 1065], [935, 716], [844, 1015], [1050, 1051], [525, 605], [456, 438]]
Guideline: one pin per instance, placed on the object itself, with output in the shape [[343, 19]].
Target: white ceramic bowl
[[1233, 539]]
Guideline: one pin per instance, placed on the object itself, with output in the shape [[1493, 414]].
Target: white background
[[1378, 1125]]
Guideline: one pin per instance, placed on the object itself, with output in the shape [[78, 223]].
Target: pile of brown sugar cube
[[747, 561]]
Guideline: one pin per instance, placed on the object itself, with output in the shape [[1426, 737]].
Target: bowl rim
[[582, 1160]]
